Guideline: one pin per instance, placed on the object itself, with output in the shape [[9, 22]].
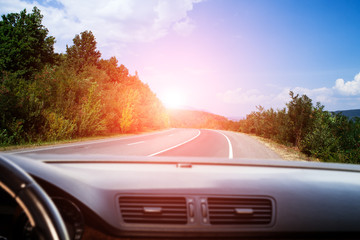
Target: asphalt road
[[172, 142]]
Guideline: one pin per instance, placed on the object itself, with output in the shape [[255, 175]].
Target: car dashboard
[[110, 197]]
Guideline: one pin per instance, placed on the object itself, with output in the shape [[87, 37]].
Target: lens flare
[[173, 99]]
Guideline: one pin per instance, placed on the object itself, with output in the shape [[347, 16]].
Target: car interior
[[112, 197]]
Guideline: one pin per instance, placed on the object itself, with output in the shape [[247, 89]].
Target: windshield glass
[[214, 79]]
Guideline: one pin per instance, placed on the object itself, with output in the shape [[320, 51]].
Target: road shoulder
[[285, 152]]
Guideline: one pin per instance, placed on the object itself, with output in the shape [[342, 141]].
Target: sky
[[221, 56]]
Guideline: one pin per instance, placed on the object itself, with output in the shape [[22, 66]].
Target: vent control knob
[[152, 209], [191, 209], [203, 210], [244, 211]]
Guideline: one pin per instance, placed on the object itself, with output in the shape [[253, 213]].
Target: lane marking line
[[178, 145], [135, 143], [79, 144], [231, 155]]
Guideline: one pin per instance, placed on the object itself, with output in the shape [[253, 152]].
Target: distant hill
[[350, 113], [180, 118]]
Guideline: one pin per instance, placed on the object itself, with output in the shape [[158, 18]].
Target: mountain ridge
[[351, 113]]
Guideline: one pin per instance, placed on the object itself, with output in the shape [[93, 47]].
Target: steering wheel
[[37, 205]]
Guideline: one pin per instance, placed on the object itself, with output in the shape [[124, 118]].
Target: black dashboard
[[109, 197]]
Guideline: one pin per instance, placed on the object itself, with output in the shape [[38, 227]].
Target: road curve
[[172, 142], [245, 146]]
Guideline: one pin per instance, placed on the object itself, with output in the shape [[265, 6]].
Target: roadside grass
[[285, 152], [75, 140], [52, 143]]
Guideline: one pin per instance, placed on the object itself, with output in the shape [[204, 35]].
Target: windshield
[[212, 79]]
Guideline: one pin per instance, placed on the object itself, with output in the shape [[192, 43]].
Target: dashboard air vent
[[240, 211], [153, 210]]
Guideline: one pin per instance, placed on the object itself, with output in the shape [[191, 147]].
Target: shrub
[[58, 127]]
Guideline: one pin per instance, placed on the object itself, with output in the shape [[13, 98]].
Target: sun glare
[[173, 99]]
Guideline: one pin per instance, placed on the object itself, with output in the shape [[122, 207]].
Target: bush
[[89, 120], [320, 141], [314, 131], [5, 138], [58, 127]]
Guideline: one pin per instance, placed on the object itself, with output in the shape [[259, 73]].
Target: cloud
[[277, 100], [343, 95], [247, 100], [340, 91], [350, 88], [239, 96], [14, 6], [113, 22], [323, 95], [184, 28]]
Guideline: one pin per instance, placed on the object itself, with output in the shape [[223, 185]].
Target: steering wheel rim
[[37, 205]]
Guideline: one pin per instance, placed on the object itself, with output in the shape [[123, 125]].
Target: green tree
[[299, 111], [127, 119], [116, 73], [89, 118], [77, 95], [25, 47], [83, 53], [321, 141], [317, 133], [284, 133]]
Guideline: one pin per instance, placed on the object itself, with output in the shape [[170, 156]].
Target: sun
[[173, 99]]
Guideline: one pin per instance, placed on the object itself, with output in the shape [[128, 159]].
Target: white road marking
[[84, 144], [167, 149], [231, 155], [135, 143]]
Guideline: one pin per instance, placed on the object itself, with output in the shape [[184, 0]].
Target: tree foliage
[[316, 132], [299, 112], [197, 119], [83, 53], [25, 47], [77, 95]]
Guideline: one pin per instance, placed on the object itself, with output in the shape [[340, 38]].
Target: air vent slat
[[231, 210], [170, 210], [155, 221], [157, 201], [141, 210], [148, 200], [152, 205], [246, 216], [154, 216], [223, 211], [262, 208], [240, 222], [229, 201]]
